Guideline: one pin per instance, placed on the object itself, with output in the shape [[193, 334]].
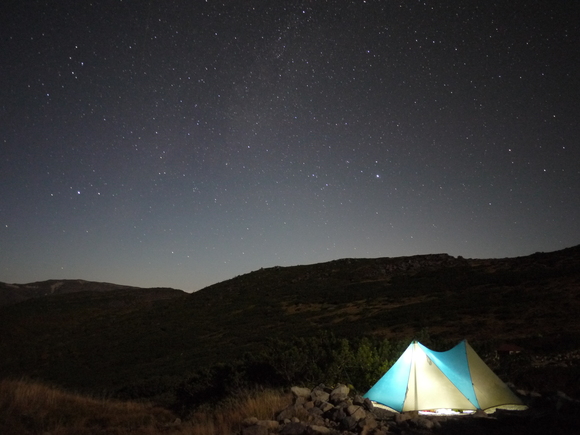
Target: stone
[[271, 425], [318, 394], [300, 391], [356, 412], [325, 406], [300, 400], [400, 418], [358, 400], [368, 404], [368, 423], [294, 429], [317, 412], [348, 423], [339, 394], [335, 414], [250, 421], [383, 414], [422, 422], [289, 412]]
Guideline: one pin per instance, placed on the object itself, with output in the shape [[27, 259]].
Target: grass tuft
[[228, 417]]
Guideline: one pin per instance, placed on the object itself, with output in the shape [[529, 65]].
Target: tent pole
[[415, 376]]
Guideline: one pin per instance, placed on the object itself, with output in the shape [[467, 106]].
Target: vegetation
[[343, 321], [28, 408]]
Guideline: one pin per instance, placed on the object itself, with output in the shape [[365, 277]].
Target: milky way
[[181, 143]]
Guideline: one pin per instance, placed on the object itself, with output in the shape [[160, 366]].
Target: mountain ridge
[[14, 293], [95, 340]]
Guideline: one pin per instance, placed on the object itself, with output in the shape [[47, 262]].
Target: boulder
[[339, 394], [357, 412], [325, 406], [368, 404], [319, 394], [300, 391]]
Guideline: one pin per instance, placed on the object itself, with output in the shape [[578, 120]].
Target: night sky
[[181, 143]]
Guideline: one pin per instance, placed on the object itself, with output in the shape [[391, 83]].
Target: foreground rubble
[[336, 411]]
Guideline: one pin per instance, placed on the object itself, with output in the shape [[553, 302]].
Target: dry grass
[[228, 418], [32, 408], [28, 408]]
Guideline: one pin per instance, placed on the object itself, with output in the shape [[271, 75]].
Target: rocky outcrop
[[330, 411], [336, 411]]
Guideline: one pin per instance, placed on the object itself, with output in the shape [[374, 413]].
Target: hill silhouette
[[105, 337]]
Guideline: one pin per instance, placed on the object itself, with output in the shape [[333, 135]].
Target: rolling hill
[[105, 337]]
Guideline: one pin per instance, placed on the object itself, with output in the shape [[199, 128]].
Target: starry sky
[[181, 143]]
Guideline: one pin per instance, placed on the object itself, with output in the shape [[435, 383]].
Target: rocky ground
[[338, 412]]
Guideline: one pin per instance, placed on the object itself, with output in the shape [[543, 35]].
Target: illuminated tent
[[422, 380]]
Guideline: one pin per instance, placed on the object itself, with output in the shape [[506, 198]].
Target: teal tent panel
[[455, 366], [391, 389]]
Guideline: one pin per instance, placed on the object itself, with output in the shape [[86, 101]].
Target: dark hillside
[[118, 338]]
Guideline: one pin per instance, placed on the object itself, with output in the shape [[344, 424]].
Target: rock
[[367, 425], [400, 418], [348, 423], [368, 404], [357, 412], [300, 400], [271, 425], [318, 394], [290, 412], [480, 414], [383, 414], [300, 391], [339, 394], [368, 422], [335, 414], [422, 423], [294, 429], [358, 400], [250, 421], [315, 411], [325, 406]]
